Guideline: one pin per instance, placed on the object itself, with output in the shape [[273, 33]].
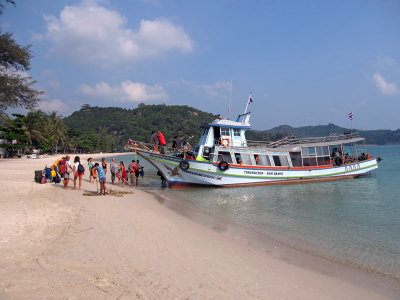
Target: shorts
[[132, 175], [66, 176], [102, 180]]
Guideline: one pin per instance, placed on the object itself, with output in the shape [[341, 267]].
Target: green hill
[[106, 128], [379, 137], [117, 125]]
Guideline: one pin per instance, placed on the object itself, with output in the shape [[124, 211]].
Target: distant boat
[[223, 157]]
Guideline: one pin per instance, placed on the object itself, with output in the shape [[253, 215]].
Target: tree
[[3, 6], [57, 130], [16, 86], [14, 135], [34, 126]]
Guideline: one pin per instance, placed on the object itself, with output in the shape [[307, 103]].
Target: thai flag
[[250, 100], [350, 116]]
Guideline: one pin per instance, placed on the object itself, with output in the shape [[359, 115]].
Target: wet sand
[[59, 244]]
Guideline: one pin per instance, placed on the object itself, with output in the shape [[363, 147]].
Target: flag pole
[[247, 105]]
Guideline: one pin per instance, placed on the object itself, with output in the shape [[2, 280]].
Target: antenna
[[230, 100]]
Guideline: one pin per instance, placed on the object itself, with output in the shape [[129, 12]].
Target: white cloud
[[216, 90], [92, 33], [50, 78], [385, 87], [55, 104], [127, 91]]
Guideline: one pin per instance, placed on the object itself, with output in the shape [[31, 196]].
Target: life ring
[[338, 161], [223, 166], [225, 142], [184, 165]]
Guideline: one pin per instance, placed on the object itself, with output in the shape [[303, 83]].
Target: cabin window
[[224, 156], [206, 152], [236, 132], [217, 134], [262, 160], [196, 151], [333, 147], [280, 160], [322, 150], [224, 131], [243, 159], [323, 155], [308, 151], [296, 159], [238, 159], [205, 132], [324, 160], [309, 161]]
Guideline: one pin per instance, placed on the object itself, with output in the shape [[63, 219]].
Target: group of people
[[70, 170], [184, 150], [117, 172], [97, 172]]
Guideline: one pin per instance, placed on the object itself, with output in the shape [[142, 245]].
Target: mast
[[248, 102], [230, 100]]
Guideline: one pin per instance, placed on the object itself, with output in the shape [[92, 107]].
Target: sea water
[[355, 221]]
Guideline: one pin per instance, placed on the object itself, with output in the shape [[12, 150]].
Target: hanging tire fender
[[184, 165], [338, 161], [223, 166]]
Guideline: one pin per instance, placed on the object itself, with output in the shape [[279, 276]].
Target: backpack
[[81, 169], [56, 179], [161, 139], [47, 173], [38, 176], [62, 168]]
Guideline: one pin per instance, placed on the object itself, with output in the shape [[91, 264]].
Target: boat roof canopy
[[227, 123], [296, 147]]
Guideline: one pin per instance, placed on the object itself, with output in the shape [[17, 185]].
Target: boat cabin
[[224, 140]]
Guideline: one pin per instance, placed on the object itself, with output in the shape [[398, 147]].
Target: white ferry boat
[[223, 157]]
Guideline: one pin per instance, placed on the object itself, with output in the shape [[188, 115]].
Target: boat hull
[[208, 174]]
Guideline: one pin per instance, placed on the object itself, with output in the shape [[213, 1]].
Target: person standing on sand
[[102, 178], [90, 166], [131, 170], [68, 170], [113, 170], [104, 165], [77, 162], [124, 174]]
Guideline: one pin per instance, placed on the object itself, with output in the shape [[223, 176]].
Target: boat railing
[[291, 140]]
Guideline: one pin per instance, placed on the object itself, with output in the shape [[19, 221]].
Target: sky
[[304, 62]]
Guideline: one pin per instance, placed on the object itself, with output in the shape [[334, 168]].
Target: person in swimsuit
[[124, 174], [104, 165]]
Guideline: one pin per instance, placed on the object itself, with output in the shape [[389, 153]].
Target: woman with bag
[[68, 171], [78, 171]]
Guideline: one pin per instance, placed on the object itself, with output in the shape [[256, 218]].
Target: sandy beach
[[59, 244]]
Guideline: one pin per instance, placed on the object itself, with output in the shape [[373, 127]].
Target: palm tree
[[34, 127], [74, 143], [57, 130]]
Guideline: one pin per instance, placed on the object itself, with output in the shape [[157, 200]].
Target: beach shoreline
[[61, 244]]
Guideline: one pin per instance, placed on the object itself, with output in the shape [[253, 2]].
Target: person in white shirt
[[76, 172]]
